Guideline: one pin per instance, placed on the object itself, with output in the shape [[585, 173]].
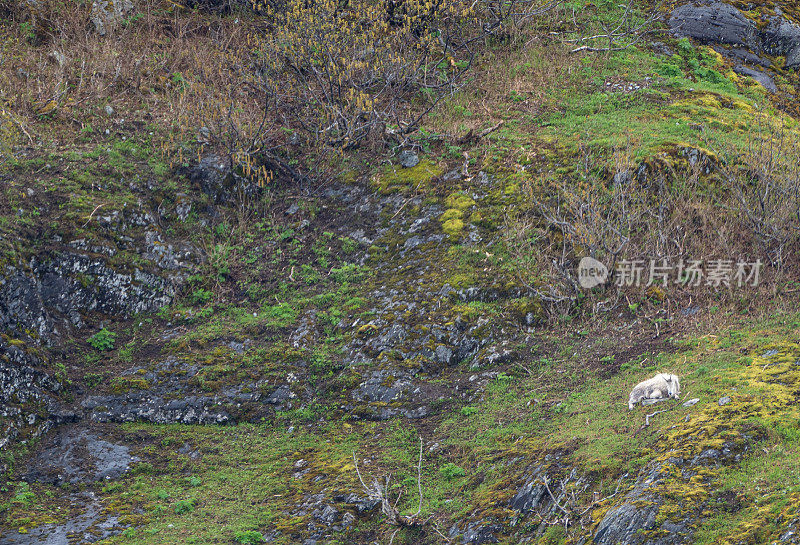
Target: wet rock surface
[[167, 393], [28, 395], [628, 522], [716, 22], [74, 455], [782, 38], [766, 81], [719, 23], [91, 525], [54, 294]]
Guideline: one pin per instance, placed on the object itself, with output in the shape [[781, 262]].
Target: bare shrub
[[342, 72], [587, 215], [280, 92], [619, 32], [765, 182], [570, 507], [510, 16]]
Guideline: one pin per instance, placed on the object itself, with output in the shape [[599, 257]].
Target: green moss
[[453, 227], [459, 200], [394, 179], [452, 213], [121, 385]]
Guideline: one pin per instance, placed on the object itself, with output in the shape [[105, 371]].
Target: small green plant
[[27, 31], [685, 48], [201, 296], [468, 411], [24, 495], [92, 379], [184, 506], [103, 340], [248, 537], [348, 245], [308, 274], [451, 471]]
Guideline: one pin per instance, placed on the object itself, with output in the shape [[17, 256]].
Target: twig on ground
[[647, 418], [89, 217]]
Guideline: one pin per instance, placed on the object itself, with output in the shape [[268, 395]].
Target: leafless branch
[[381, 491], [649, 416], [627, 31]]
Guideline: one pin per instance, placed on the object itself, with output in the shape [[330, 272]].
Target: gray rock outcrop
[[714, 23]]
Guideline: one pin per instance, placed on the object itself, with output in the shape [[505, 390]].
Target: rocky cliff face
[[56, 294]]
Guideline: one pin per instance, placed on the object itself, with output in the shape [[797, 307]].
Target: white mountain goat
[[661, 386]]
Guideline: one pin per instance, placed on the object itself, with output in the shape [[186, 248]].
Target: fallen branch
[[490, 130], [624, 35], [647, 418], [472, 137], [380, 491], [89, 217]]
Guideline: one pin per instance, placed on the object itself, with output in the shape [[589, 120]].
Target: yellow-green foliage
[[120, 385], [453, 227], [451, 213], [394, 179], [353, 48], [768, 523], [457, 203], [766, 398]]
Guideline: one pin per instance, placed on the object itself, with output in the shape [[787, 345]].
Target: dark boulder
[[760, 77], [77, 456], [481, 533], [408, 159], [714, 23], [782, 38], [215, 176], [361, 503], [528, 497], [635, 520], [743, 56], [623, 523]]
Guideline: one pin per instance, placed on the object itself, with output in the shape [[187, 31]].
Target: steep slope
[[191, 355]]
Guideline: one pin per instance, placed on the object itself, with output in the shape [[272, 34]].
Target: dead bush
[[765, 182], [585, 215], [343, 72], [647, 223]]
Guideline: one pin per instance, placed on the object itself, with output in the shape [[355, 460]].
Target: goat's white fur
[[660, 386]]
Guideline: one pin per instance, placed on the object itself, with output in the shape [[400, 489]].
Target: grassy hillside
[[224, 318]]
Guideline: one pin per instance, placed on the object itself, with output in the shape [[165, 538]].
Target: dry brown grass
[[242, 86], [746, 209], [525, 69], [143, 70]]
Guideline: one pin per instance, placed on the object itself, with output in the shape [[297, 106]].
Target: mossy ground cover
[[556, 106], [241, 478]]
